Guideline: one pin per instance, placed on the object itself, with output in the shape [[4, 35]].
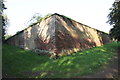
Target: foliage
[[20, 63], [5, 23], [18, 32], [7, 36], [37, 18], [114, 19]]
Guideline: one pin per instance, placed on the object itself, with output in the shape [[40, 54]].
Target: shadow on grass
[[20, 63]]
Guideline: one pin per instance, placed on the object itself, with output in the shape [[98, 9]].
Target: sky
[[89, 12]]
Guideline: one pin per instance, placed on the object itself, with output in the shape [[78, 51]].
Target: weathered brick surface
[[72, 36], [60, 35]]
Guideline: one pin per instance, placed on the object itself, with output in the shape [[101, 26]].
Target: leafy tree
[[7, 36], [114, 19], [37, 17], [4, 22]]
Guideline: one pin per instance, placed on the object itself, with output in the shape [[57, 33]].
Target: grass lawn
[[20, 63]]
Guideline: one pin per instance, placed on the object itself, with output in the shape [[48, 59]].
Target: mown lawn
[[20, 63]]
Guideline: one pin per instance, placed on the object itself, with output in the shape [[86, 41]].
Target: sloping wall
[[17, 40], [38, 37], [60, 35], [72, 36]]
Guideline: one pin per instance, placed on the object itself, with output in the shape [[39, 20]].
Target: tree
[[4, 22], [37, 17], [7, 36], [114, 20]]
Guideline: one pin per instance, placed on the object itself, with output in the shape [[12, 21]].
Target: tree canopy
[[37, 17], [5, 21], [114, 20]]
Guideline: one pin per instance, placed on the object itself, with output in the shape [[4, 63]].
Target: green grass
[[20, 63]]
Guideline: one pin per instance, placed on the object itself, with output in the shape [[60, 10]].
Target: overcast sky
[[90, 12]]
